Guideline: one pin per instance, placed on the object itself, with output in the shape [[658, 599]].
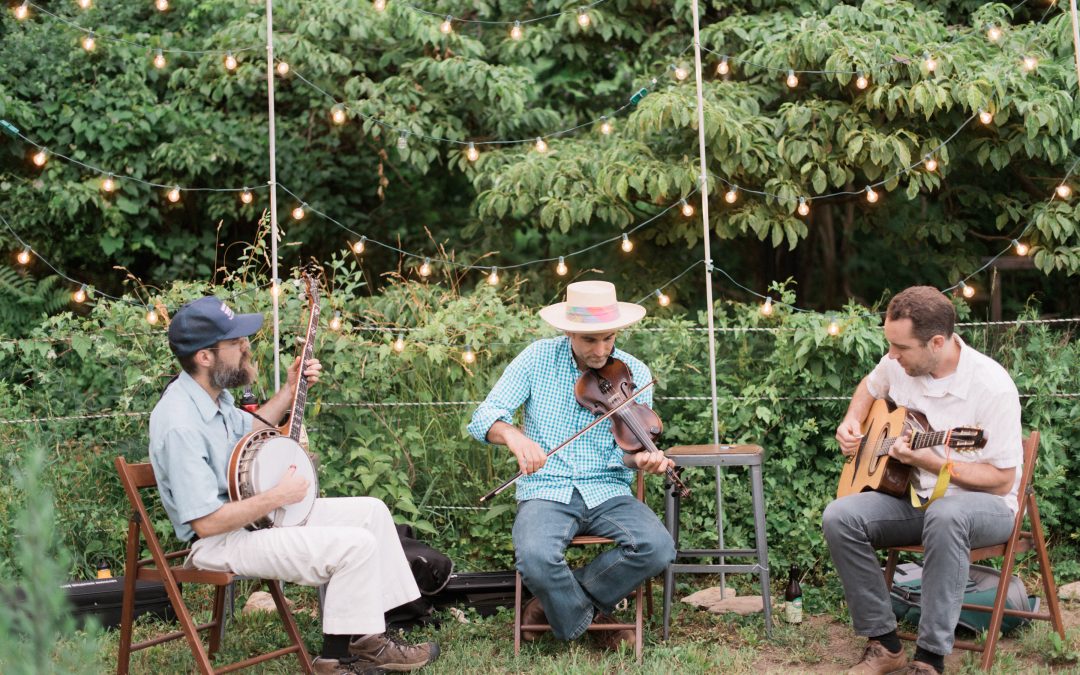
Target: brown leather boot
[[531, 614], [876, 660], [611, 639]]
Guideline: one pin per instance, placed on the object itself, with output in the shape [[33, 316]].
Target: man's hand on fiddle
[[530, 456], [924, 458], [651, 462], [848, 435], [312, 371]]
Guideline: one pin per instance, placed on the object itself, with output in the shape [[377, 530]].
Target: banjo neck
[[291, 428]]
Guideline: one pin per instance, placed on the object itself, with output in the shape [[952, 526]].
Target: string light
[[159, 60], [403, 140], [162, 6], [79, 296], [930, 163], [1030, 63], [151, 314], [425, 268], [335, 323], [583, 18], [993, 33], [275, 288], [968, 291], [399, 343], [469, 355], [834, 328], [379, 5], [88, 42], [173, 195], [986, 117], [246, 197], [230, 62], [861, 82], [626, 244], [871, 196], [282, 68], [22, 11], [338, 115], [24, 256], [516, 32], [792, 79], [929, 62], [804, 207], [681, 73], [767, 308], [471, 153], [40, 157], [447, 26], [661, 298], [298, 213], [493, 278], [732, 194], [541, 145], [1063, 191], [1021, 248], [687, 208], [358, 247], [560, 269], [605, 126], [86, 4], [723, 68], [108, 184]]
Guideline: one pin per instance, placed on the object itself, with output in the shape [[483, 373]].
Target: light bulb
[[159, 60], [871, 196], [298, 213], [516, 32], [929, 62], [379, 5], [804, 207], [626, 244], [993, 34], [663, 299], [605, 126], [109, 184], [1030, 63], [541, 145], [174, 195], [447, 26], [403, 140], [338, 115], [767, 308], [986, 117], [687, 208], [358, 247], [493, 278], [723, 68], [40, 157], [152, 317], [282, 68], [834, 328], [246, 197], [275, 288], [162, 5], [731, 195], [792, 79], [861, 82], [24, 256], [1021, 247], [1063, 191], [79, 296], [86, 4], [930, 163], [399, 344], [471, 153], [968, 291], [335, 323], [681, 73], [22, 11], [469, 355], [230, 62], [88, 42], [425, 268], [583, 19], [561, 269]]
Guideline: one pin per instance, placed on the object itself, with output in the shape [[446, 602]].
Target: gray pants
[[857, 524]]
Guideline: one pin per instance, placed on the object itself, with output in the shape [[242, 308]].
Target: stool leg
[[671, 519], [762, 547]]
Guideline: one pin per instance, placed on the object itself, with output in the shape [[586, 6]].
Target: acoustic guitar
[[871, 467]]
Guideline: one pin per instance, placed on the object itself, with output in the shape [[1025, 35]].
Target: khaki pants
[[348, 543]]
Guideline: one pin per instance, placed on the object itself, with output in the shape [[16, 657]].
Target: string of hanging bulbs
[[517, 26]]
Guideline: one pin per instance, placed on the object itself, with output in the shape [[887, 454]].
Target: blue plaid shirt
[[542, 378]]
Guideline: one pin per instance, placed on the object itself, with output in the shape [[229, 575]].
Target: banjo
[[260, 459]]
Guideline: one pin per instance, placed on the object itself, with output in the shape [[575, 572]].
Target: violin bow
[[570, 440]]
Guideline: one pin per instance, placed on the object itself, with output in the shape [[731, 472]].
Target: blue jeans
[[570, 598], [857, 524]]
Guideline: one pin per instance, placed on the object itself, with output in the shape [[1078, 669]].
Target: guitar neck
[[920, 439], [296, 413]]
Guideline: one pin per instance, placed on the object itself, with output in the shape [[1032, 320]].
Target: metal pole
[[273, 189], [708, 275], [1076, 35]]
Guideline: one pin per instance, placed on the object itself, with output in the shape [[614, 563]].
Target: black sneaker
[[391, 654]]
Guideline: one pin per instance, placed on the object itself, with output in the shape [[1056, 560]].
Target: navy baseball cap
[[204, 322]]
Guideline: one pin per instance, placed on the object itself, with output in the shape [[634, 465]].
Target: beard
[[226, 377]]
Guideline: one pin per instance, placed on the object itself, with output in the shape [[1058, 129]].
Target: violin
[[635, 425]]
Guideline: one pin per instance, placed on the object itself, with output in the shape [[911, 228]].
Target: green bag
[[981, 590]]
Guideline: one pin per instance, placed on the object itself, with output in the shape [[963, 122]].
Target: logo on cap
[[227, 312]]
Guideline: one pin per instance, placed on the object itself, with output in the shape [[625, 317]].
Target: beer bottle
[[103, 571], [793, 596]]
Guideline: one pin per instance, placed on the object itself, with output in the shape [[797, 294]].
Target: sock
[[930, 658], [335, 646], [889, 640]]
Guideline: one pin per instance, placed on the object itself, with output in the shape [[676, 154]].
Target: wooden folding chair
[[643, 592], [1020, 541], [137, 477]]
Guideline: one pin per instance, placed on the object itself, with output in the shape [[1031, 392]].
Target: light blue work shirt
[[191, 440], [542, 378]]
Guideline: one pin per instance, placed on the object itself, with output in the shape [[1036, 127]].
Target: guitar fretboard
[[920, 439]]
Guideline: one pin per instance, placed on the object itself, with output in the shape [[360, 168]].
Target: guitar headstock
[[310, 274], [967, 439]]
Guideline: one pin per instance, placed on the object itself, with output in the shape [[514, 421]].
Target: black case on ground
[[483, 591], [102, 598]]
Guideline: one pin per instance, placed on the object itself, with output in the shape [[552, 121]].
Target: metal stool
[[719, 455]]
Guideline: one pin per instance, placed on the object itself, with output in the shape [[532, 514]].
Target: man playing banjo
[[348, 543]]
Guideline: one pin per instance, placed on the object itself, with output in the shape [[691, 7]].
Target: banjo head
[[264, 468]]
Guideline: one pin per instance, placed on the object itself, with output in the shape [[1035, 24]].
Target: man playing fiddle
[[584, 489]]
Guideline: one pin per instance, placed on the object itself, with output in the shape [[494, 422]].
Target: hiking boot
[[876, 660], [531, 615], [920, 668], [346, 666], [388, 653], [612, 639]]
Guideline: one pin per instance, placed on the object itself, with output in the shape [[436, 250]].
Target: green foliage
[[25, 300]]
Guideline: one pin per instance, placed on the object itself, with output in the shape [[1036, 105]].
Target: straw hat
[[591, 307]]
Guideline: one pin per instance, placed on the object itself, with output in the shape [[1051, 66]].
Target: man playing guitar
[[930, 369]]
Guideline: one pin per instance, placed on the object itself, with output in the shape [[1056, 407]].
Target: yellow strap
[[939, 488]]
